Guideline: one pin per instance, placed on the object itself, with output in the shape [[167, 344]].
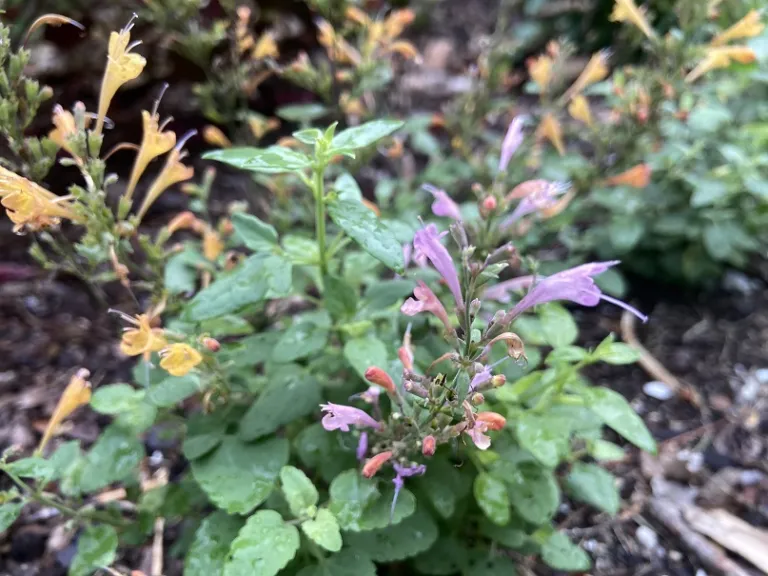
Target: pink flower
[[427, 243], [500, 292], [362, 446], [575, 284], [477, 433], [340, 417], [426, 301], [443, 204], [540, 198], [480, 378], [512, 141]]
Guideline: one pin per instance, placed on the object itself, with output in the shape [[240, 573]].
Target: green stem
[[320, 219]]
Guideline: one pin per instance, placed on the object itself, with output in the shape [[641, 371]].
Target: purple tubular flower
[[339, 417], [575, 284], [480, 378], [443, 204], [538, 200], [403, 472], [427, 243], [500, 292], [512, 141], [362, 446]]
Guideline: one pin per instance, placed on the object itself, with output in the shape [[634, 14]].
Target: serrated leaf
[[364, 135], [443, 485], [301, 340], [253, 232], [544, 436], [409, 538], [491, 495], [115, 398], [364, 352], [32, 467], [204, 433], [558, 325], [114, 457], [340, 298], [96, 548], [298, 490], [447, 556], [263, 546], [323, 530], [510, 536], [348, 562], [288, 396], [350, 495], [210, 548], [615, 411], [9, 511], [386, 293], [370, 233], [138, 418], [379, 514], [593, 485], [533, 493], [615, 353], [322, 452], [237, 476], [566, 355], [181, 272], [65, 456], [173, 390], [483, 563], [560, 553]]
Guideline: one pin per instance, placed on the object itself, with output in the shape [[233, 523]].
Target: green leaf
[[65, 456], [263, 547], [508, 536], [443, 486], [32, 467], [350, 494], [246, 285], [533, 493], [718, 240], [380, 514], [321, 451], [362, 353], [308, 136], [386, 293], [706, 191], [615, 411], [491, 496], [447, 556], [210, 548], [615, 353], [558, 325], [272, 160], [347, 189], [173, 390], [348, 562], [298, 490], [114, 457], [364, 135], [237, 157], [204, 433], [566, 355], [96, 548], [9, 511], [605, 451], [138, 418], [365, 228], [593, 485], [560, 553], [254, 233], [236, 476], [411, 537], [544, 436], [181, 272], [302, 112], [291, 394], [625, 232], [301, 340], [339, 297], [116, 398], [323, 530], [483, 563]]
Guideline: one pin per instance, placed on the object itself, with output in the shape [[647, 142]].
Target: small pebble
[[658, 390], [675, 555], [762, 375], [647, 537]]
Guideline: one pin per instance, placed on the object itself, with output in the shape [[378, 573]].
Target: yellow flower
[[76, 394], [627, 11], [122, 67], [213, 246], [142, 339], [357, 15], [579, 109], [260, 125], [179, 359], [214, 136], [30, 205], [551, 130], [405, 49], [64, 129], [172, 173], [748, 27], [154, 143], [397, 21], [266, 47], [721, 57], [540, 70], [595, 71]]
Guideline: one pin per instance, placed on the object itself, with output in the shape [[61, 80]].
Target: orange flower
[[215, 137], [748, 27], [627, 11], [374, 464], [377, 376], [551, 130], [213, 246], [122, 67], [179, 359], [76, 394], [172, 173], [492, 419], [154, 143], [636, 177]]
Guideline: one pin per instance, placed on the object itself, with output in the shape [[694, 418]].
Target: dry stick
[[157, 548]]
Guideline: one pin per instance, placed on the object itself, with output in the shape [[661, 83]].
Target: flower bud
[[478, 399], [474, 307], [211, 344], [376, 375], [374, 464], [488, 205], [459, 234], [428, 445], [501, 254], [415, 389], [498, 381], [406, 357], [492, 419]]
